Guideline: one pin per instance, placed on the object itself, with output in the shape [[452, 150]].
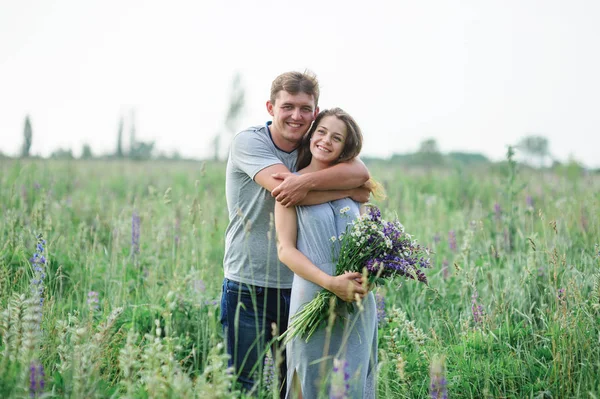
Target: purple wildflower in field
[[529, 201], [380, 307], [541, 271], [39, 269], [339, 380], [498, 211], [212, 302], [135, 233], [437, 238], [452, 240], [476, 308], [177, 230], [561, 294], [93, 300], [199, 286], [36, 379], [438, 387], [268, 371]]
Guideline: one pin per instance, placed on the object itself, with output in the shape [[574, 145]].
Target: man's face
[[292, 115]]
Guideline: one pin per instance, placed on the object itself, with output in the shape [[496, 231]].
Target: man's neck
[[281, 142]]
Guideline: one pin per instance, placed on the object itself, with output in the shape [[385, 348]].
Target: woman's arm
[[344, 286]]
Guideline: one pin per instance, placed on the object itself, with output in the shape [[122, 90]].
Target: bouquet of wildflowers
[[377, 248]]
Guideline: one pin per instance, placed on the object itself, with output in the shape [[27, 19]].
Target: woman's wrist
[[327, 282]]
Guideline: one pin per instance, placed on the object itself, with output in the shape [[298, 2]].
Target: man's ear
[[316, 113], [270, 108]]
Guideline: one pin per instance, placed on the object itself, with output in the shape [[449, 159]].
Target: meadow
[[111, 272]]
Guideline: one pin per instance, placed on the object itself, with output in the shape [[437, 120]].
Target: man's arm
[[343, 176], [267, 180]]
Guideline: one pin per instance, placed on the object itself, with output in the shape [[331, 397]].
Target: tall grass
[[134, 271]]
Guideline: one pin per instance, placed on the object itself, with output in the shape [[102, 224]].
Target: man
[[257, 287]]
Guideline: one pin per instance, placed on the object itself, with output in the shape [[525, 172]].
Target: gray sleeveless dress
[[353, 340]]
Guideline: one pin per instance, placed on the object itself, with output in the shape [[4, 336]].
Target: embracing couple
[[292, 186]]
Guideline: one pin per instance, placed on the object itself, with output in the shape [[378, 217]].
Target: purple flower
[[135, 233], [438, 387], [93, 300], [374, 213], [380, 307], [268, 372], [452, 240], [177, 230], [437, 238], [561, 294], [541, 271], [498, 210], [339, 380], [476, 309], [529, 201], [36, 379], [212, 302], [39, 269], [199, 286]]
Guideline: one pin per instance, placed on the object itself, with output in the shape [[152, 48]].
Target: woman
[[307, 244]]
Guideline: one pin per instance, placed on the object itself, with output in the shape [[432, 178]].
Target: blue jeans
[[247, 313]]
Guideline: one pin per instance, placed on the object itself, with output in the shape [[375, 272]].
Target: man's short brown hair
[[294, 83]]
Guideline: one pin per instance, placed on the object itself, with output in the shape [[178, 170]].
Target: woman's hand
[[347, 286]]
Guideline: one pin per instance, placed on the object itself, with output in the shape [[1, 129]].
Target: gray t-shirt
[[250, 242]]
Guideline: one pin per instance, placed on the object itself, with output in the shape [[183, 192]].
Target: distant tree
[[536, 147], [86, 152], [138, 150], [119, 153], [176, 155], [27, 138], [62, 154], [429, 153], [142, 151], [468, 157], [237, 102], [429, 146], [216, 143], [132, 141]]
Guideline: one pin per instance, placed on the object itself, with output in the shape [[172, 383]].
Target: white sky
[[476, 75]]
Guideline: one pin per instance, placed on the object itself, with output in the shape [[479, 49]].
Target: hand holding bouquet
[[373, 246]]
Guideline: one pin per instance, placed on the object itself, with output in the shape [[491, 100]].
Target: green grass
[[535, 271]]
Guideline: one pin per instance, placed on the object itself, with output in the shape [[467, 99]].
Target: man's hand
[[361, 194], [346, 286], [291, 190]]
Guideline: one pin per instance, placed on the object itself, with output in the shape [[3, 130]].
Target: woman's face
[[327, 142]]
